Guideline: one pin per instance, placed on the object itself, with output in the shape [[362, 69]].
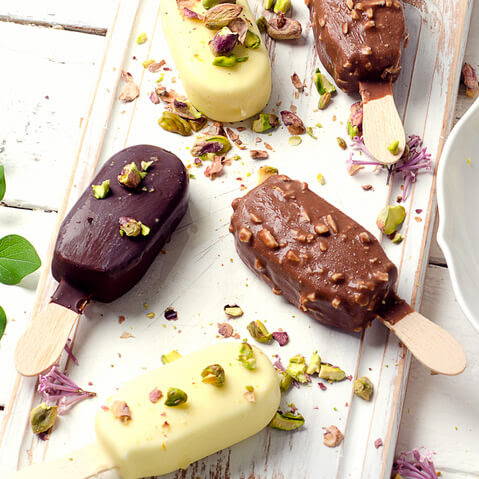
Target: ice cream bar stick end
[[383, 131], [431, 345], [44, 340], [81, 464]]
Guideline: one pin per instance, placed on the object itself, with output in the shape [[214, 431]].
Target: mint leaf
[[18, 259], [3, 322], [3, 185]]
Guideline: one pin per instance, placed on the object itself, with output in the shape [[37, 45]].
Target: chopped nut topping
[[255, 219], [381, 276], [323, 246], [258, 265], [268, 239], [292, 256], [321, 229], [121, 411], [336, 302], [370, 24], [332, 436], [370, 13], [337, 277], [233, 311], [332, 224], [245, 235], [364, 237], [366, 50], [259, 154], [355, 15]]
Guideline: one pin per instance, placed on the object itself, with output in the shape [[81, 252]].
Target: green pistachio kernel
[[175, 397], [145, 165], [207, 4], [130, 176], [341, 143], [363, 388], [353, 130], [282, 6], [295, 140], [170, 357], [198, 124], [175, 124], [297, 368], [394, 147], [287, 421], [259, 332], [101, 191], [213, 374], [391, 218], [246, 356], [251, 40], [324, 100], [314, 364], [222, 140], [141, 38], [265, 122], [265, 172], [398, 238], [331, 373], [268, 4], [310, 132], [229, 61], [323, 85], [285, 382], [262, 24], [322, 180], [43, 417], [233, 311], [132, 227], [145, 230]]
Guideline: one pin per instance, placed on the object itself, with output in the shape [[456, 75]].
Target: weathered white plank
[[441, 413], [46, 97], [87, 15]]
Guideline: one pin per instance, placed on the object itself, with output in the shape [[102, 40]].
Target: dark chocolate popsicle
[[359, 40], [92, 260], [314, 255]]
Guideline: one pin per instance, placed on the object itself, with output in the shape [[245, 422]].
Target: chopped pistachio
[[297, 368], [363, 388], [251, 40], [353, 130], [262, 24], [341, 143], [221, 15], [398, 238], [170, 357], [207, 4], [332, 436], [223, 142], [43, 417], [323, 85], [391, 218], [394, 147], [131, 176], [324, 100], [147, 63], [295, 140], [265, 122], [199, 124], [331, 373], [175, 397], [233, 311], [175, 124], [145, 165], [250, 395], [101, 191], [282, 6], [246, 356], [265, 172], [268, 4], [309, 131], [314, 364], [287, 421], [320, 177], [141, 38], [229, 61], [132, 227], [213, 374], [259, 332], [285, 382]]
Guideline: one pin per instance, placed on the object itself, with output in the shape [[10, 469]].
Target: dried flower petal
[[281, 337], [415, 464], [155, 395]]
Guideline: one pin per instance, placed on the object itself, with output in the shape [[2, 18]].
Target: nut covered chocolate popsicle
[[359, 40], [106, 243], [314, 255]]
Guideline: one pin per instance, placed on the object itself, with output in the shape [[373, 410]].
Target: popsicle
[[106, 243], [223, 93], [331, 268], [141, 436], [359, 42]]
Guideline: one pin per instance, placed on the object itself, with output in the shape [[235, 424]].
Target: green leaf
[[3, 322], [3, 185], [18, 259]]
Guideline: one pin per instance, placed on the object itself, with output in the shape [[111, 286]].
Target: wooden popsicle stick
[[382, 126], [44, 340], [81, 464], [429, 344]]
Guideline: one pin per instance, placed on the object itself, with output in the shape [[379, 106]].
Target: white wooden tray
[[200, 271]]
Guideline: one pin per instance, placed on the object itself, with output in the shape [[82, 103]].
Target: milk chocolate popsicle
[[107, 242], [330, 267]]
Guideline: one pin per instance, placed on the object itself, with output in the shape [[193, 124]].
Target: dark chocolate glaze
[[91, 259], [359, 40], [318, 258]]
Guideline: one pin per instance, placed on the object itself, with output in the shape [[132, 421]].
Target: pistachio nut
[[170, 357], [353, 130], [223, 42], [287, 421], [363, 388], [251, 40], [268, 4], [218, 145], [131, 176], [213, 374], [207, 4], [220, 15], [265, 172], [131, 227], [141, 38], [43, 417], [393, 147], [246, 356], [283, 28], [324, 101], [239, 26], [282, 6], [297, 369], [185, 109], [332, 436], [101, 191], [175, 397], [341, 143], [233, 311], [293, 122], [323, 85], [259, 332], [398, 238], [285, 382], [230, 61], [314, 364], [331, 373], [262, 24], [265, 122], [175, 124], [391, 218]]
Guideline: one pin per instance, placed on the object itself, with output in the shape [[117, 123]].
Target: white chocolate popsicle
[[157, 439], [225, 94]]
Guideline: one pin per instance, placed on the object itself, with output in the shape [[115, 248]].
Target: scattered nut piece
[[332, 436]]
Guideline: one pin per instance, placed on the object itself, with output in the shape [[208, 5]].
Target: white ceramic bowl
[[458, 201]]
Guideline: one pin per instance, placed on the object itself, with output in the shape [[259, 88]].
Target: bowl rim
[[442, 240]]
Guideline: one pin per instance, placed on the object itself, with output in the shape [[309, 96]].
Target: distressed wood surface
[[451, 464]]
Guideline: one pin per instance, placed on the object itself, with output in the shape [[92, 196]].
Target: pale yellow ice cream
[[222, 93], [159, 439]]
